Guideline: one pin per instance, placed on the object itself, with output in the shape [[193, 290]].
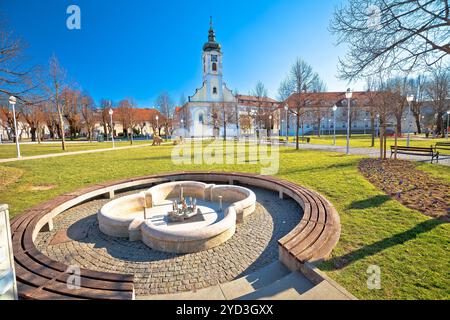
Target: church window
[[214, 90], [214, 66], [214, 58], [200, 118]]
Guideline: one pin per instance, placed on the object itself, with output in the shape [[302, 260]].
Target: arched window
[[214, 90], [214, 66], [200, 118]]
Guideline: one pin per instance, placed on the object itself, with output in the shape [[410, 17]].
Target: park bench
[[444, 146], [416, 151]]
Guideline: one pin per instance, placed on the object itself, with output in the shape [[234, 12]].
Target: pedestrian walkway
[[371, 152], [71, 153]]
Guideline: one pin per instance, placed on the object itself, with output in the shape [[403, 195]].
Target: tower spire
[[211, 44]]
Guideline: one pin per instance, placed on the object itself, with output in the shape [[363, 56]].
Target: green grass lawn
[[365, 141], [410, 248], [26, 150]]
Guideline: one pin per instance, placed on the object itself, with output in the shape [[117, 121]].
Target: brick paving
[[252, 247]]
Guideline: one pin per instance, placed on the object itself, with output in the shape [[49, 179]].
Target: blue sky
[[138, 48]]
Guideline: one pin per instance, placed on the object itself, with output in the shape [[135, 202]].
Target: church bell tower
[[212, 66]]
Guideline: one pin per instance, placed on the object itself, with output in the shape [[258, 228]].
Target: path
[[370, 152], [71, 153]]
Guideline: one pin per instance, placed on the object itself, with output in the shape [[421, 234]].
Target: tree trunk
[[417, 118], [372, 127], [33, 134], [319, 127], [61, 129], [296, 131], [439, 126], [399, 126]]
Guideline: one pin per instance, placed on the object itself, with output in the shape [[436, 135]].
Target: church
[[214, 110]]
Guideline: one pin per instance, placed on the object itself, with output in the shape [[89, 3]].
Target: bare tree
[[15, 78], [105, 122], [57, 85], [166, 108], [128, 116], [301, 80], [438, 91], [33, 114], [71, 101], [416, 87], [89, 115], [391, 35]]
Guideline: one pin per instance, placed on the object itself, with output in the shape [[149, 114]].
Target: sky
[[139, 48]]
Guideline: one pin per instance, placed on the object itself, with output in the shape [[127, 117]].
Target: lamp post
[[365, 119], [410, 99], [112, 126], [270, 125], [286, 109], [12, 102], [157, 124], [448, 122], [348, 96], [334, 124], [378, 125]]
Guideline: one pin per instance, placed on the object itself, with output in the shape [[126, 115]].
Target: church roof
[[211, 45]]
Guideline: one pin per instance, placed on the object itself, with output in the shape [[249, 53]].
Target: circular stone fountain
[[179, 217]]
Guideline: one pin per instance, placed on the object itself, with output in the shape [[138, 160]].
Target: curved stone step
[[254, 281], [290, 287]]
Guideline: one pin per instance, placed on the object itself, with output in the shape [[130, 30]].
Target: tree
[[438, 91], [128, 117], [416, 86], [391, 35], [166, 108], [302, 79], [260, 92], [398, 88], [33, 114], [15, 78], [105, 122], [71, 101], [57, 86], [89, 115], [383, 99]]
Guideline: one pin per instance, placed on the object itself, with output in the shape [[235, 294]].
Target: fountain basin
[[144, 216]]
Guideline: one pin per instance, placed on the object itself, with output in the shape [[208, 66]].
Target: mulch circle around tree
[[414, 188]]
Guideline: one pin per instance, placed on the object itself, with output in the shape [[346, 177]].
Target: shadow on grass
[[341, 262], [372, 202]]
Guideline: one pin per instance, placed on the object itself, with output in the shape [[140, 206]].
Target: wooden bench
[[39, 277], [445, 146], [416, 151]]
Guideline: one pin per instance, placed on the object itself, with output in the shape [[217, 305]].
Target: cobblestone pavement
[[252, 247]]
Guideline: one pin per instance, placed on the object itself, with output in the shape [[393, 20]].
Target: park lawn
[[9, 150], [410, 248]]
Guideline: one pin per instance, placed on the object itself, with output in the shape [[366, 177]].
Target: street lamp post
[[12, 102], [448, 122], [334, 124], [348, 95], [112, 126], [286, 109], [378, 125], [270, 125], [365, 119], [410, 99]]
